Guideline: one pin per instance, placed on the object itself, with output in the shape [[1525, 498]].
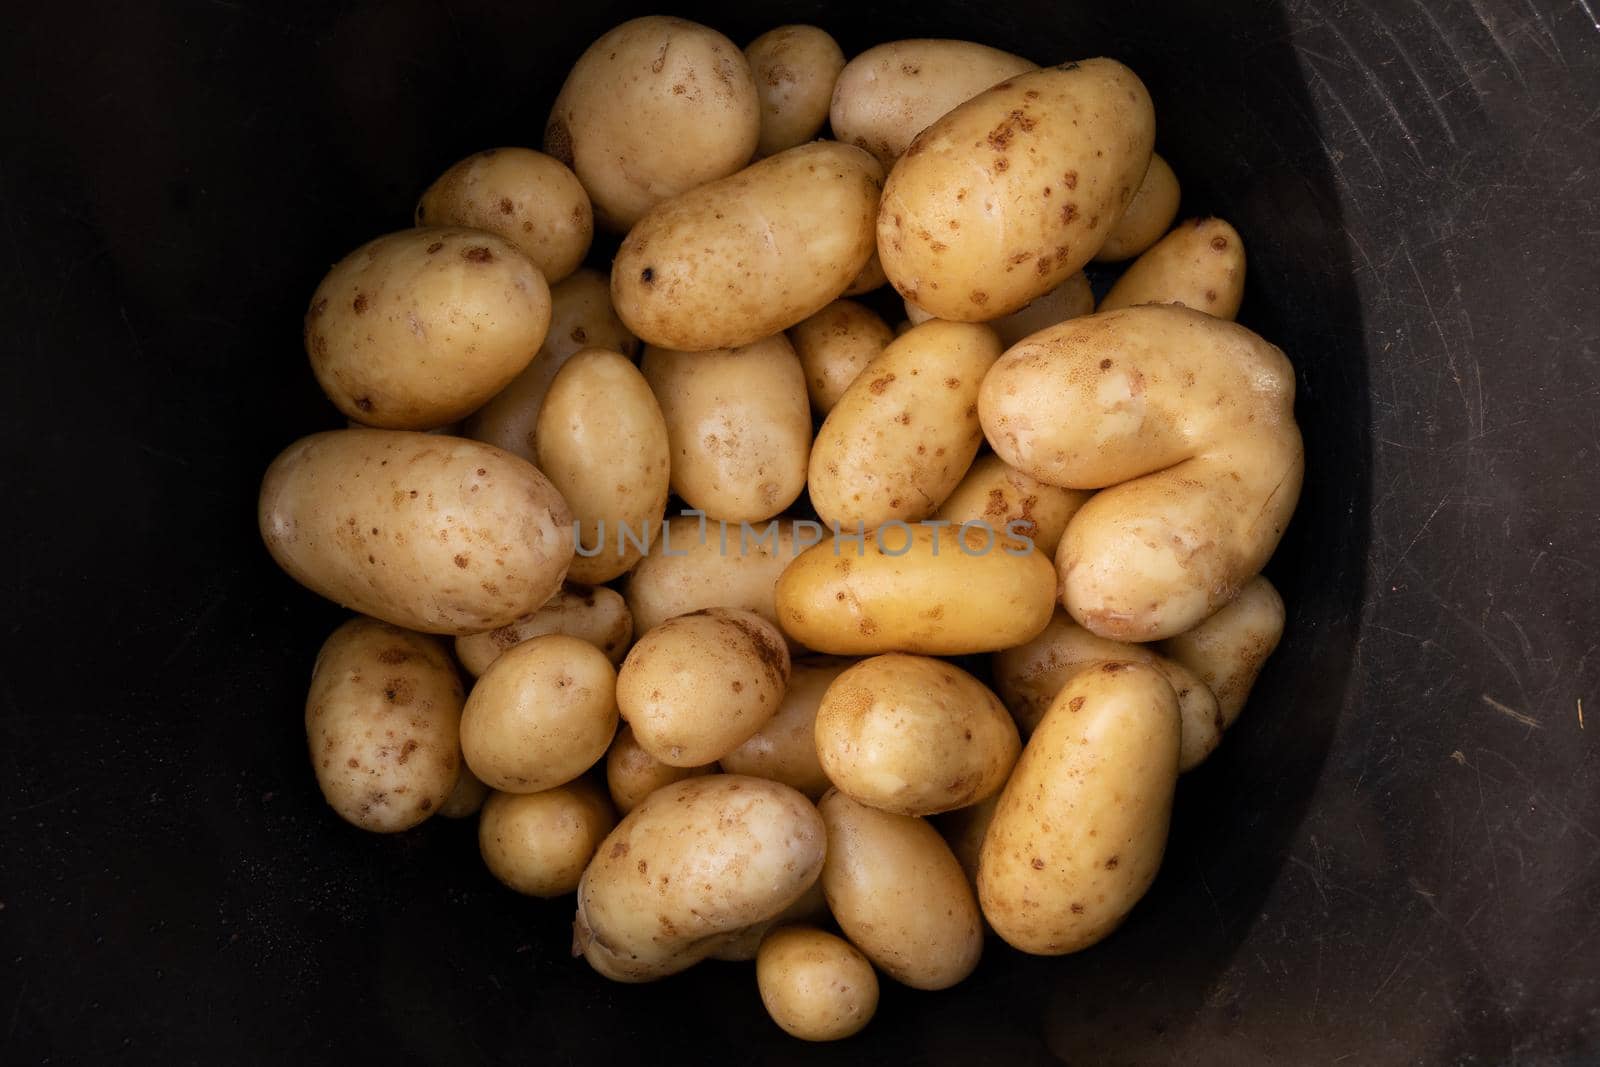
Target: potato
[[418, 328], [964, 830], [1005, 498], [738, 424], [1200, 265], [1190, 421], [693, 566], [654, 108], [899, 894], [813, 906], [599, 616], [1010, 194], [381, 725], [432, 533], [689, 869], [539, 843], [749, 256], [541, 715], [467, 798], [1150, 212], [1081, 827], [531, 200], [887, 95], [794, 68], [633, 774], [1068, 300], [785, 748], [1228, 650], [816, 986], [834, 345], [602, 442], [939, 591], [904, 433], [871, 276], [698, 686]]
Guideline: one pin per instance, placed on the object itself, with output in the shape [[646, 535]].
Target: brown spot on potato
[[426, 805], [462, 561], [1105, 364], [648, 275], [1069, 212], [1037, 863], [878, 385], [619, 850], [397, 654], [1219, 244], [1001, 165], [364, 403], [1111, 864], [1070, 179], [1077, 909], [1075, 704], [477, 254], [952, 383], [399, 691], [506, 206], [352, 763], [558, 140], [980, 297], [435, 247], [405, 751], [1113, 668]]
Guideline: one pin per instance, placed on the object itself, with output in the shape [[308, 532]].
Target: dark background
[[1393, 857]]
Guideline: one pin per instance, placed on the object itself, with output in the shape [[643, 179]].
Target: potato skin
[[964, 830], [433, 533], [746, 257], [418, 328], [683, 573], [812, 907], [633, 774], [785, 748], [1062, 149], [1199, 265], [816, 986], [1081, 826], [599, 616], [540, 843], [1002, 496], [834, 345], [381, 720], [1068, 300], [1150, 213], [1228, 650], [794, 68], [467, 798]]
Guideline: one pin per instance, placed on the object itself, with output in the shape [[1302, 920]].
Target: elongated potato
[[539, 843], [1199, 265], [795, 68], [381, 720], [902, 436], [1010, 194], [1190, 421], [433, 533], [785, 748], [693, 566], [749, 256], [834, 346], [633, 774], [1150, 213], [599, 616], [1002, 496], [1228, 650], [899, 894], [816, 986]]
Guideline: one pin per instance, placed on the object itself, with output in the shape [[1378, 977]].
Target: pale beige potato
[[1189, 420], [381, 722], [1199, 265], [871, 276], [888, 94], [785, 748], [917, 594], [812, 907], [433, 533], [1081, 826], [834, 345], [748, 256], [1149, 214], [698, 686], [1228, 650], [540, 843], [816, 986], [656, 107], [738, 426], [633, 774], [689, 869], [467, 798], [602, 442], [597, 615], [902, 436], [527, 197], [694, 565], [541, 715], [964, 830], [1010, 194], [899, 895], [418, 328], [794, 68], [1002, 496], [1068, 300], [915, 315]]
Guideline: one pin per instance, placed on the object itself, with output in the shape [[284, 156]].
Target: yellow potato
[[751, 255], [914, 735], [834, 345], [785, 748], [1228, 650], [871, 276], [599, 616], [904, 433], [418, 328], [1005, 498], [811, 907], [795, 68], [381, 725], [432, 533], [964, 830], [1199, 265], [1081, 827], [691, 566], [467, 798], [1149, 214], [1190, 420], [1010, 194], [539, 843], [633, 774], [816, 986], [899, 894], [689, 869], [654, 108]]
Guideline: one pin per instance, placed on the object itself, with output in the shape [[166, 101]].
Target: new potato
[[540, 843], [1199, 265], [1228, 650], [1149, 214], [834, 346], [1007, 499], [795, 68], [599, 616], [816, 986], [785, 748]]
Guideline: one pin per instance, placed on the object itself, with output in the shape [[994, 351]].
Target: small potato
[[1150, 213], [541, 715], [794, 68], [812, 907], [902, 436], [540, 843], [644, 911], [690, 567], [834, 345], [381, 722], [531, 200], [633, 774], [816, 986], [603, 443], [747, 257], [1002, 496], [432, 533], [887, 95], [418, 328], [870, 278], [1199, 265], [698, 686], [914, 735], [599, 616], [964, 830], [467, 797], [899, 894], [654, 108], [738, 425], [1082, 825], [1228, 650], [785, 748]]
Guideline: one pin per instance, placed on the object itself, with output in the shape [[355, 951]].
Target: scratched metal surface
[[1393, 857]]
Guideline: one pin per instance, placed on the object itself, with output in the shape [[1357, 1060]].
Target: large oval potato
[[749, 256], [633, 774], [1010, 194], [540, 843], [1007, 499], [654, 108], [1149, 214], [1082, 825], [1199, 265], [795, 68], [599, 616], [381, 720], [1228, 650], [693, 566], [432, 533], [816, 986], [689, 869], [834, 346], [418, 328], [785, 748]]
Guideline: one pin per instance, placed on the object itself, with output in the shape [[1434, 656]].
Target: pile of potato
[[738, 743]]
